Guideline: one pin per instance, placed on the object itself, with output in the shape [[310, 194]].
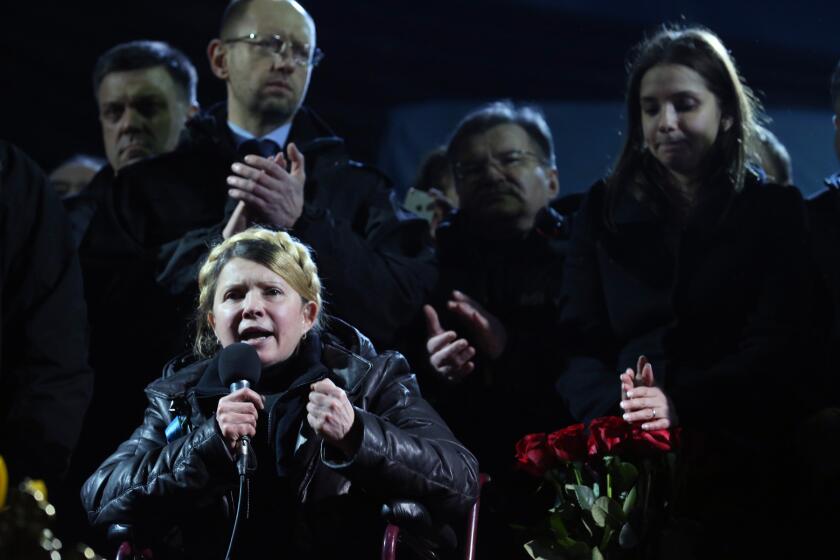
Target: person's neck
[[258, 125], [687, 187]]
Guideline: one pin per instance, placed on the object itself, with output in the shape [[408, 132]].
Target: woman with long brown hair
[[689, 291]]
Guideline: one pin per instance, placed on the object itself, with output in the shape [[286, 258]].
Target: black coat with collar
[[518, 280], [406, 452], [723, 307]]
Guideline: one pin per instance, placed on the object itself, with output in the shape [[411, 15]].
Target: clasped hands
[[269, 191], [451, 355], [328, 412], [642, 401]]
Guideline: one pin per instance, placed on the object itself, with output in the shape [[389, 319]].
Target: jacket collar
[[274, 379], [343, 352], [457, 231], [309, 132], [717, 199]]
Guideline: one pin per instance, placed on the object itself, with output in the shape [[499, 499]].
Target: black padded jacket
[[181, 489]]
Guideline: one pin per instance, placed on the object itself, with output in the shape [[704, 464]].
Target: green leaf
[[586, 525], [630, 501], [584, 495], [627, 473], [544, 550], [627, 538], [580, 551], [606, 538], [555, 521], [607, 513]]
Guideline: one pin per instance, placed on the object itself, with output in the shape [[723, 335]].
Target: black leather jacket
[[406, 452]]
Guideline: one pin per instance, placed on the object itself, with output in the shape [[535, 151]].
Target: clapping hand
[[269, 190], [642, 401]]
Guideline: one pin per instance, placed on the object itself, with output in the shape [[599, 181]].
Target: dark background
[[382, 55]]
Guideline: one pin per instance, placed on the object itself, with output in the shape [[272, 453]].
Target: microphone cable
[[237, 517]]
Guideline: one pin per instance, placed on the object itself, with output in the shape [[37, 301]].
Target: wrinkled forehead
[[498, 139], [277, 17]]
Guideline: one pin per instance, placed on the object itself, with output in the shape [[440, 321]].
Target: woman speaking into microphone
[[334, 429]]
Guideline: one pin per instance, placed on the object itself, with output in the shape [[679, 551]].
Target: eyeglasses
[[506, 162], [276, 45]]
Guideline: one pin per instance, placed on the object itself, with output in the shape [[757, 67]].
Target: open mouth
[[254, 335]]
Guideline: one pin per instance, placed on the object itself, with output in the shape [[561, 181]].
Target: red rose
[[533, 455], [608, 436], [645, 442], [569, 444]]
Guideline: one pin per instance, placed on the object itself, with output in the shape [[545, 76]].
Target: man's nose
[[491, 168], [282, 60], [131, 119]]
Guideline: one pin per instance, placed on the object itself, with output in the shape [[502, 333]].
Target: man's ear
[[217, 55]]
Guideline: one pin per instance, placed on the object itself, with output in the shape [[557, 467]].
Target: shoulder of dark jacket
[[568, 204], [828, 193], [209, 126], [17, 169], [179, 375], [349, 354]]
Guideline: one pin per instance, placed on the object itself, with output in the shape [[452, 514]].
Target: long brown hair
[[702, 51]]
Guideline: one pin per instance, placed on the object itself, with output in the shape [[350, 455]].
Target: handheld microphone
[[240, 367]]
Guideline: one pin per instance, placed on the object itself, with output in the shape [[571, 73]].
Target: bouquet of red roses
[[611, 481]]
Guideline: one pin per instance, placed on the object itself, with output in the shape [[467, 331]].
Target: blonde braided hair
[[276, 250]]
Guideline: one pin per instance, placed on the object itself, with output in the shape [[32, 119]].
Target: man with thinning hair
[[262, 157]]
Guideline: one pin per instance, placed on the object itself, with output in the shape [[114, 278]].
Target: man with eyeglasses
[[262, 157], [501, 259]]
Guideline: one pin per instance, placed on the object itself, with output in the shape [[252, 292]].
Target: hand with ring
[[642, 401]]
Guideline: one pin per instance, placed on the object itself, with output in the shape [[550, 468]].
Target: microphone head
[[238, 362]]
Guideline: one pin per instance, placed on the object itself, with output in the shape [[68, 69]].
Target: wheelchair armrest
[[417, 528], [124, 536], [408, 514]]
